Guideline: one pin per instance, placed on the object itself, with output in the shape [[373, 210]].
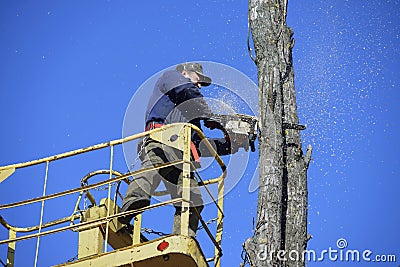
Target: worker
[[176, 97]]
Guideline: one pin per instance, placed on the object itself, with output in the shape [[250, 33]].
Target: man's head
[[194, 71]]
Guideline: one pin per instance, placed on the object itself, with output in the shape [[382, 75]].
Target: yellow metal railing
[[163, 134]]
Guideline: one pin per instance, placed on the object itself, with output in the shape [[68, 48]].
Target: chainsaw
[[241, 129]]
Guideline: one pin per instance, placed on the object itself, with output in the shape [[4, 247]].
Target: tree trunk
[[282, 200]]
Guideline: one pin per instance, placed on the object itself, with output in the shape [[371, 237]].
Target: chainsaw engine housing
[[241, 129]]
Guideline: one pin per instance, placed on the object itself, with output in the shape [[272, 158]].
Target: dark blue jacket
[[176, 99]]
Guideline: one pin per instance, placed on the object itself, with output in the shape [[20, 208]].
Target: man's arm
[[221, 145]]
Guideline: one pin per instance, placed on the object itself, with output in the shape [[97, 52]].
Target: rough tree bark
[[282, 197]]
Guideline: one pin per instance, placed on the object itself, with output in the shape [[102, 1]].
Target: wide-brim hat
[[195, 67]]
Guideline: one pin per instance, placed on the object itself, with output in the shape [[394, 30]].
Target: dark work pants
[[143, 186]]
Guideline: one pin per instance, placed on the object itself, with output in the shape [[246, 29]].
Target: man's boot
[[137, 203]]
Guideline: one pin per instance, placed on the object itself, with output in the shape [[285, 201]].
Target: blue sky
[[70, 68]]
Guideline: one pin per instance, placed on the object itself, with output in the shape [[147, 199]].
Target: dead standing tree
[[282, 201]]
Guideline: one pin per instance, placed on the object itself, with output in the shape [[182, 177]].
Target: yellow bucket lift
[[98, 227]]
